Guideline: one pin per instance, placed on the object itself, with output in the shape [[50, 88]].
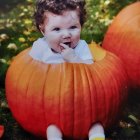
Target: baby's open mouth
[[67, 43]]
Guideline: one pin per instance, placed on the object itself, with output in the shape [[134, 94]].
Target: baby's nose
[[66, 34]]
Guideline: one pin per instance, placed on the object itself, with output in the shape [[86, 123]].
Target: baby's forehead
[[73, 14]]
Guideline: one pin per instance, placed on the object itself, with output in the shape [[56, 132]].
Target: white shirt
[[40, 51]]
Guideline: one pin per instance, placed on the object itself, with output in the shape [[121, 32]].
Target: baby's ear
[[41, 29]]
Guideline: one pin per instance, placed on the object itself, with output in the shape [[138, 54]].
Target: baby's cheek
[[76, 36], [76, 33], [52, 39]]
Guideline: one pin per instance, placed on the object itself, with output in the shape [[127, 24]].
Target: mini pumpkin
[[72, 96], [123, 39], [1, 130]]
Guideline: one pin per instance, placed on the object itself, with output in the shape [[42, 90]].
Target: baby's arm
[[69, 55]]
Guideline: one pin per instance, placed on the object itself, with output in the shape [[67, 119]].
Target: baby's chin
[[74, 46], [56, 51]]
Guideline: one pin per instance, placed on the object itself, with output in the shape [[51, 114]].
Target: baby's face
[[65, 28]]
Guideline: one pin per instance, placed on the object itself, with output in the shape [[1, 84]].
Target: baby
[[60, 22]]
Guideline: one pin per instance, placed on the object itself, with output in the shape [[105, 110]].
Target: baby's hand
[[67, 53]]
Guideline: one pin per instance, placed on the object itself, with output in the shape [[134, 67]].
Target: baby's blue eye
[[56, 29], [73, 27]]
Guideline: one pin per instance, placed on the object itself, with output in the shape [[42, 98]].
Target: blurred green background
[[17, 32]]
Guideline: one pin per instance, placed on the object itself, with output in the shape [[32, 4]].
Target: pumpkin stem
[[98, 53]]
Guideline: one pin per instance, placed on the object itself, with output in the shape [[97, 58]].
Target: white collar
[[40, 51]]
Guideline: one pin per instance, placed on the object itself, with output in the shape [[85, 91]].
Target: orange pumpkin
[[123, 39], [72, 96]]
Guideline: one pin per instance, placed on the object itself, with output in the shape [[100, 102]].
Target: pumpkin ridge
[[104, 75], [73, 98], [67, 99], [18, 79], [104, 91], [43, 95], [61, 101], [28, 83], [93, 98], [52, 95], [117, 81], [88, 98], [88, 73], [97, 90], [114, 82], [76, 95], [26, 72], [79, 100], [112, 100], [83, 97], [113, 88], [100, 93], [81, 94], [60, 96], [94, 93], [74, 79]]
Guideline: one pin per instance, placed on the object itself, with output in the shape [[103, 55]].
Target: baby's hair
[[58, 7]]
